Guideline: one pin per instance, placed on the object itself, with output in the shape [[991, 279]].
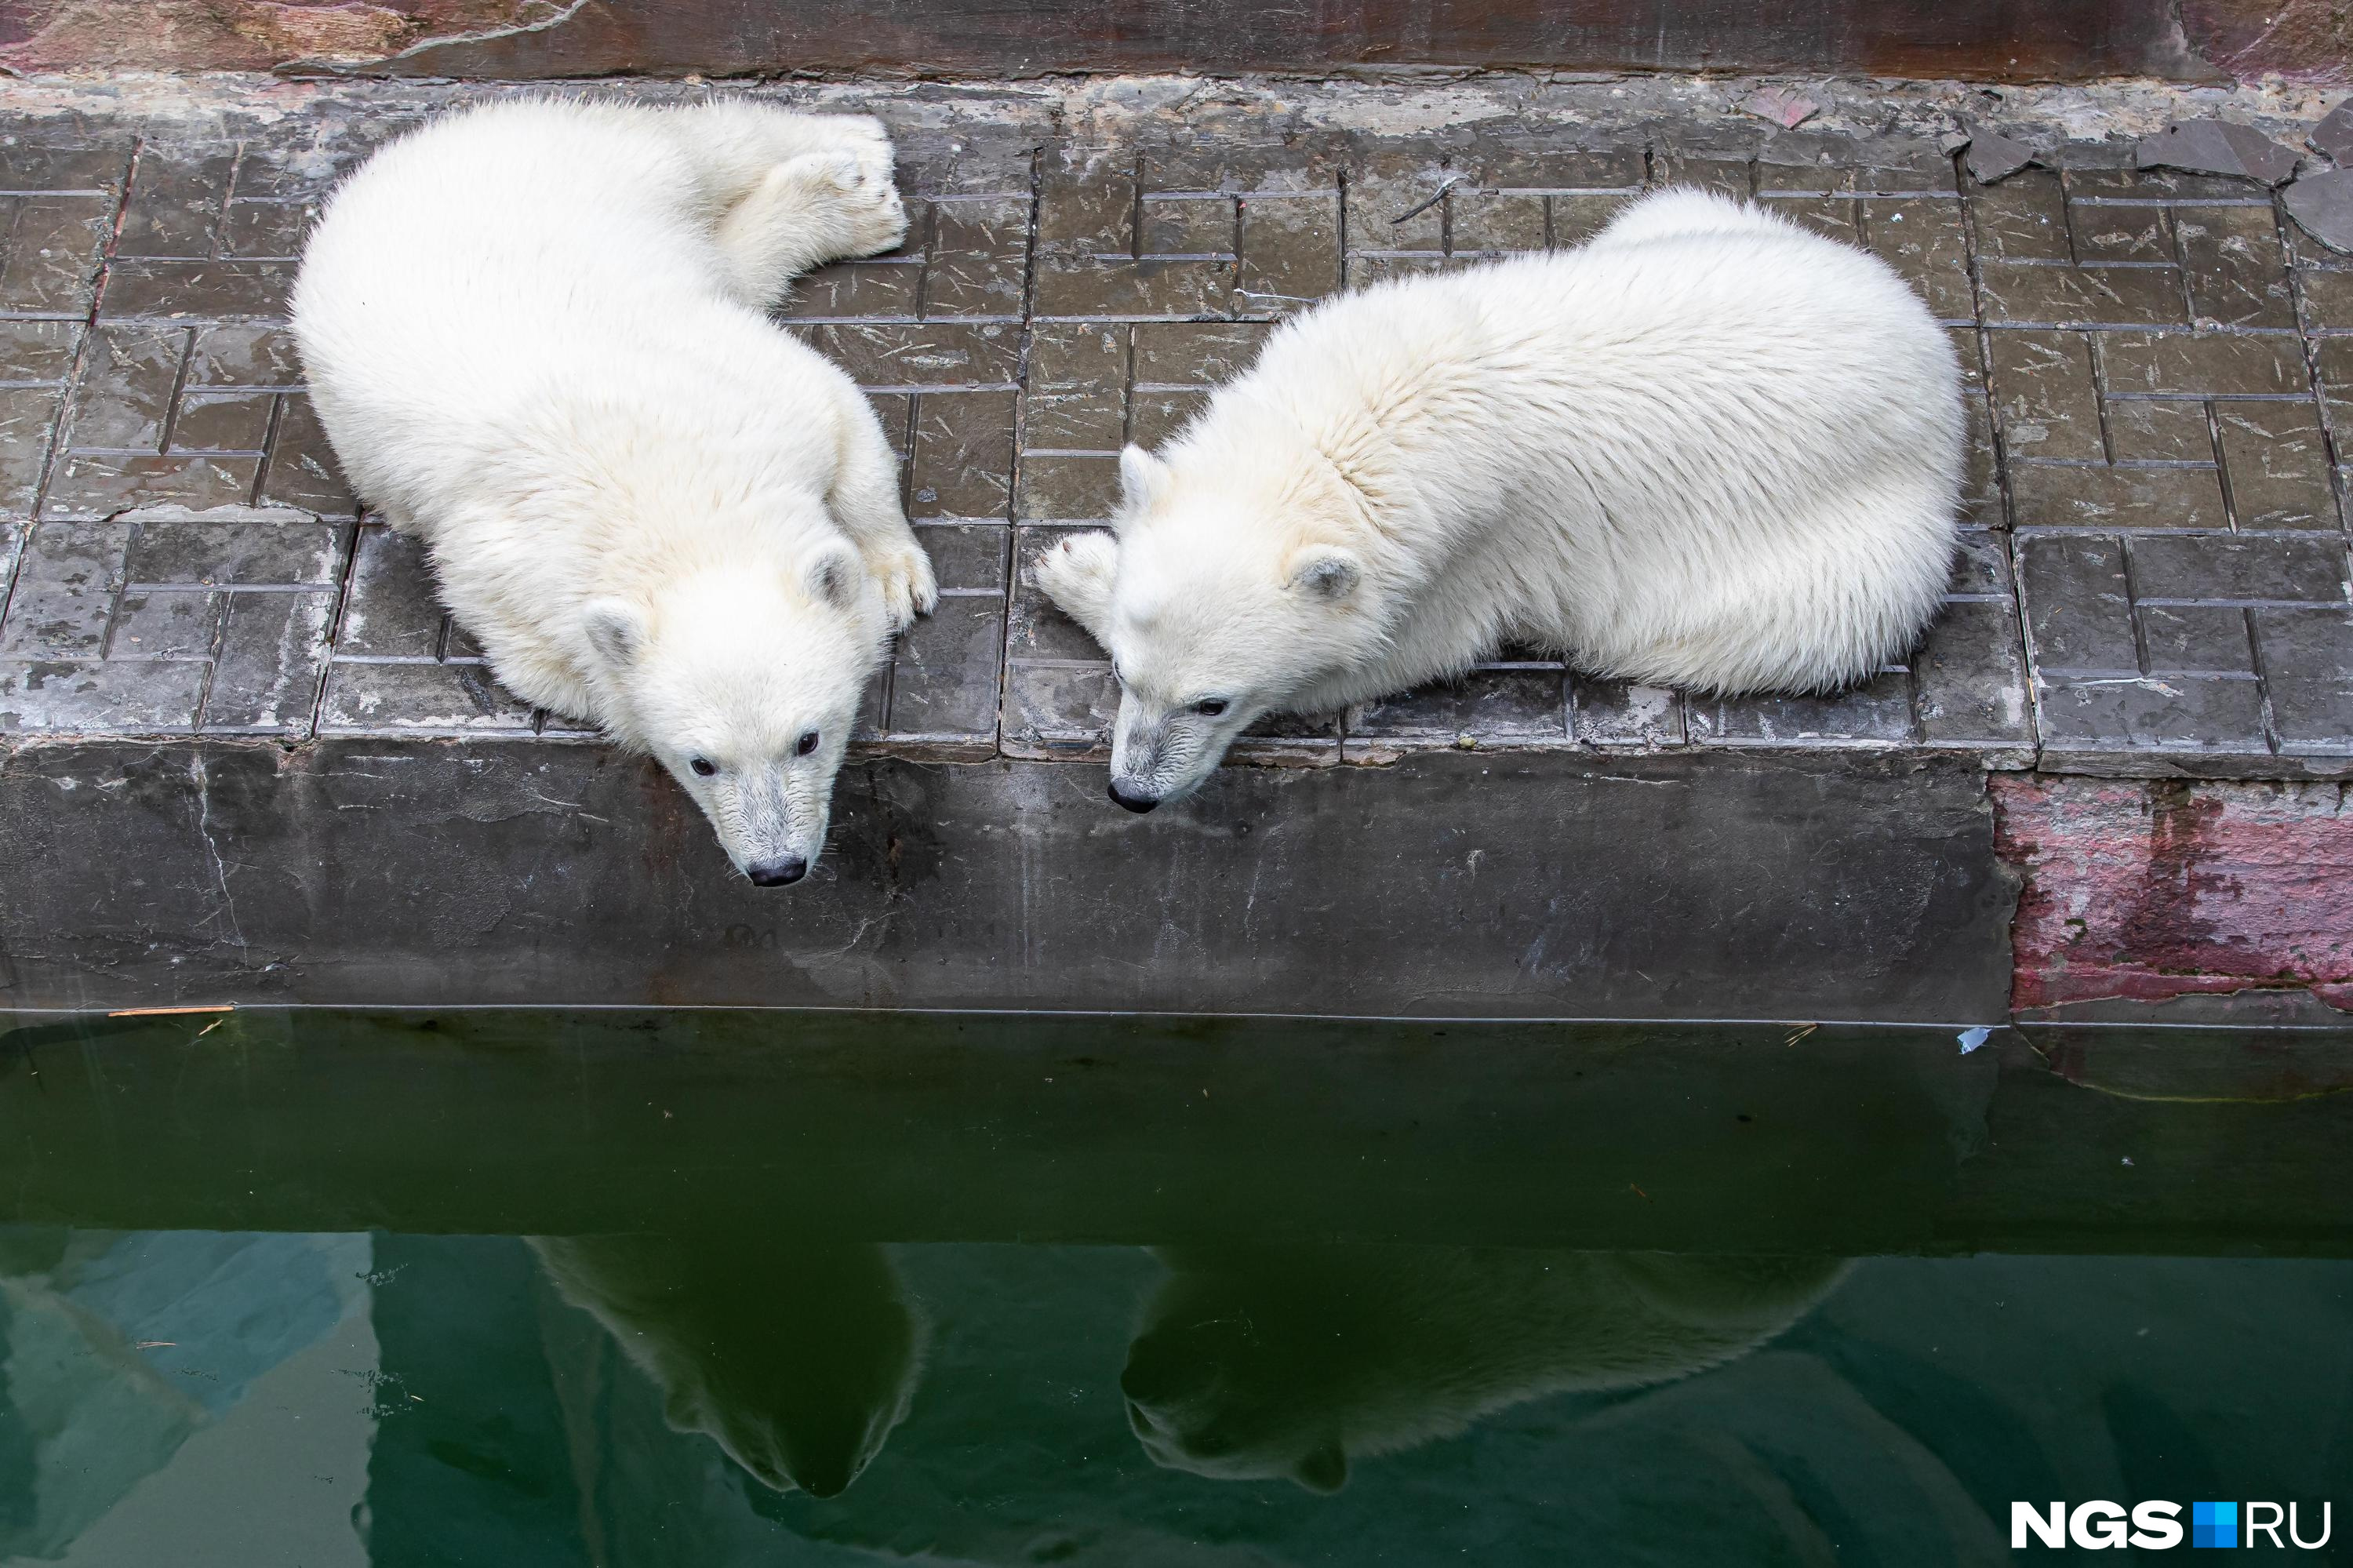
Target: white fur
[[1708, 449], [536, 334]]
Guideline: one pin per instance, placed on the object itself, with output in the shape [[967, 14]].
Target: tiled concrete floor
[[2154, 577]]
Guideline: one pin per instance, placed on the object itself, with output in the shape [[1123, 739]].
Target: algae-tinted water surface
[[705, 1289]]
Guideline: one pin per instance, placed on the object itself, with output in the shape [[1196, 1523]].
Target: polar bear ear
[[832, 574], [1326, 571], [616, 630], [1142, 477]]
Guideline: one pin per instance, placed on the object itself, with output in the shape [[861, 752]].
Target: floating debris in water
[[1973, 1038]]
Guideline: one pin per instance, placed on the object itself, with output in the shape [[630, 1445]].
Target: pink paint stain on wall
[[241, 35], [2301, 40], [2158, 888]]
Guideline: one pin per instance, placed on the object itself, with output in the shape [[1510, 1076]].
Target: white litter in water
[[1973, 1038]]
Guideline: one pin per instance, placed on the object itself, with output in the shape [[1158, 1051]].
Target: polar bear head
[[1227, 593], [745, 682]]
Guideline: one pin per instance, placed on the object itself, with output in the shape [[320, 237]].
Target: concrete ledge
[[248, 755], [389, 873]]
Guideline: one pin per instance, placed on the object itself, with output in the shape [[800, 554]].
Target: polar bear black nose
[[1130, 799], [777, 873]]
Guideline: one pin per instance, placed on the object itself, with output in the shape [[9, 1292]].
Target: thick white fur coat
[[1708, 449], [536, 335]]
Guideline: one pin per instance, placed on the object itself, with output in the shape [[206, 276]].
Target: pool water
[[700, 1288]]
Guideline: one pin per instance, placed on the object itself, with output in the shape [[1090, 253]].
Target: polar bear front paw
[[1076, 574], [860, 133], [857, 194], [877, 216], [847, 197], [909, 590]]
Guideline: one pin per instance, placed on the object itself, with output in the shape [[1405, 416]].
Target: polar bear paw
[[847, 197], [1076, 574], [867, 197], [862, 134], [909, 590]]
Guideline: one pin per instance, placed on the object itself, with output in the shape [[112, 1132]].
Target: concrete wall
[[2006, 39], [2152, 890], [1508, 886], [1450, 885]]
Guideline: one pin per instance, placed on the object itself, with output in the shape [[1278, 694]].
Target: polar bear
[[536, 334], [796, 1361], [1707, 449], [1258, 1363]]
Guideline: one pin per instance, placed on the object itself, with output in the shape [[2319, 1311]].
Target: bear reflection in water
[[1258, 1363], [796, 1361], [1252, 1362]]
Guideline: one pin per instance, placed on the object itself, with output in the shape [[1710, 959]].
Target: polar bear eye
[[703, 766], [806, 745], [1211, 708]]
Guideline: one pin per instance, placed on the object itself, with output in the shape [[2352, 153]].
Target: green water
[[518, 1289]]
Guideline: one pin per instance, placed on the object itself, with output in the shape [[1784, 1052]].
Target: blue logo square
[[2213, 1524]]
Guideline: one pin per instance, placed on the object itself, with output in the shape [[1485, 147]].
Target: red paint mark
[[238, 35], [2303, 40], [2164, 888]]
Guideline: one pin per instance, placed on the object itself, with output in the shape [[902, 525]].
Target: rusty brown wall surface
[[2308, 40], [522, 39], [2150, 890], [240, 35]]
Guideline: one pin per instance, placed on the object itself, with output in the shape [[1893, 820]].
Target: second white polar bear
[[1708, 449], [536, 334]]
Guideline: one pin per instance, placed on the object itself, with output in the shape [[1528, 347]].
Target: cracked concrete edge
[[365, 874], [563, 12], [1123, 108]]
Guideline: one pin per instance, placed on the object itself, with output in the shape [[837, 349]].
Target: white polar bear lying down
[[1708, 449], [536, 334]]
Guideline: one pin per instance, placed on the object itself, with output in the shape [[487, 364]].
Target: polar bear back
[[1708, 447], [475, 273]]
